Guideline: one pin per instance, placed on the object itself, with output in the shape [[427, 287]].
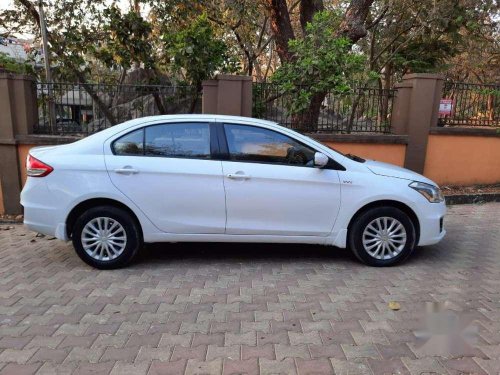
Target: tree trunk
[[281, 27], [491, 107], [353, 25], [354, 108], [88, 87], [308, 119], [308, 9], [153, 77], [384, 95], [194, 100], [250, 67], [121, 79]]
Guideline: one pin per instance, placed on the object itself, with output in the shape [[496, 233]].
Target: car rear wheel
[[382, 236], [106, 237]]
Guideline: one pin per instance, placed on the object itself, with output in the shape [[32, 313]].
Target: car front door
[[272, 186], [168, 171]]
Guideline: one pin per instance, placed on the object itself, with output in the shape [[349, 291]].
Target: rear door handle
[[126, 170], [236, 176]]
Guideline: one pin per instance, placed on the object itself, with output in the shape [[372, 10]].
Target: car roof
[[204, 117], [140, 121]]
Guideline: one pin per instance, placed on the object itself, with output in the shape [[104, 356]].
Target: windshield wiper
[[355, 158]]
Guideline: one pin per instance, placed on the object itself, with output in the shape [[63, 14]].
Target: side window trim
[[113, 142], [215, 142], [224, 149], [213, 135], [222, 140], [260, 161]]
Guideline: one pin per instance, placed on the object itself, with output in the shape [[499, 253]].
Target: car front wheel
[[382, 236], [106, 237]]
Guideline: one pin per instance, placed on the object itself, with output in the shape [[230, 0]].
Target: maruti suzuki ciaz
[[218, 178]]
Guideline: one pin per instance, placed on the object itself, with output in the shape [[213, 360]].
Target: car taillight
[[37, 168]]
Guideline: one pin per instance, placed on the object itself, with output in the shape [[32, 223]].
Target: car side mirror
[[320, 160]]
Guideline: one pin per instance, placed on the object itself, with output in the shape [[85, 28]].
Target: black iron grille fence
[[472, 104], [82, 109], [363, 109]]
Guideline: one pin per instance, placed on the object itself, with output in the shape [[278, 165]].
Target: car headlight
[[431, 192]]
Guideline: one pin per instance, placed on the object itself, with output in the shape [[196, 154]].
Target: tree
[[241, 24], [321, 61], [351, 28], [479, 57], [195, 52], [74, 28], [128, 42], [424, 36]]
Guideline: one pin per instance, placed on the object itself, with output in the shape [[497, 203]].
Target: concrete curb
[[472, 198]]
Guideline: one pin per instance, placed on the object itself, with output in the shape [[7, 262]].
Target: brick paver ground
[[234, 309]]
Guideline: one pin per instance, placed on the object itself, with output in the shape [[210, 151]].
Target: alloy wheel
[[104, 238], [384, 238]]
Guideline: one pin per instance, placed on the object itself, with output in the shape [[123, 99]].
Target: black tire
[[355, 236], [133, 236]]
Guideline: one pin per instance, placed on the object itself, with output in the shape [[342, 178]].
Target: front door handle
[[237, 176], [126, 170]]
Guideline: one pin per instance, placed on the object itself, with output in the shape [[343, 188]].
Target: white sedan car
[[223, 179]]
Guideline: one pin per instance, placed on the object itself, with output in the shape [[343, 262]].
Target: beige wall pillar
[[415, 111], [399, 123], [18, 115], [228, 95]]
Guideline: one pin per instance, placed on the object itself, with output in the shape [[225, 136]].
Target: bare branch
[[377, 20], [353, 24]]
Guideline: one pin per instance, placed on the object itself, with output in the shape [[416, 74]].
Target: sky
[[4, 4]]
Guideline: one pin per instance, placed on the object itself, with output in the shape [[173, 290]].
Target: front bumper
[[431, 223]]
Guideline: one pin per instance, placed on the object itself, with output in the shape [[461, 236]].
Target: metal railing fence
[[83, 109], [472, 104], [362, 109]]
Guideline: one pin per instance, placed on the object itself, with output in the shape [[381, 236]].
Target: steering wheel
[[295, 157]]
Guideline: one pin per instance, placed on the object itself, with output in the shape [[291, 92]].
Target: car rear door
[[272, 187], [169, 172]]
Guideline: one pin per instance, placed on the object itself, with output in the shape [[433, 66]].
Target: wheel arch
[[388, 203], [95, 202]]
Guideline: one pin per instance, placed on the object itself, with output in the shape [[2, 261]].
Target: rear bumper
[[42, 213], [36, 219]]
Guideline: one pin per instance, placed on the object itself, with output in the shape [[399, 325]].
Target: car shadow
[[241, 252]]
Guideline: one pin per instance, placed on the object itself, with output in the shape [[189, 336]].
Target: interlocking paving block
[[249, 308]]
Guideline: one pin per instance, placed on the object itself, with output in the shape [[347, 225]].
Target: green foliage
[[11, 65], [197, 53], [321, 62], [434, 41], [95, 37], [128, 40], [452, 36]]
